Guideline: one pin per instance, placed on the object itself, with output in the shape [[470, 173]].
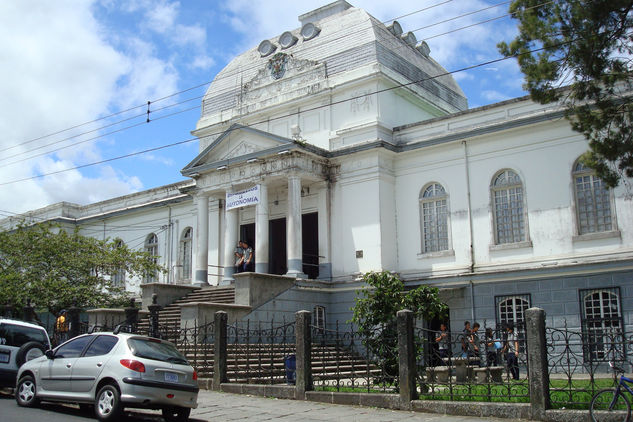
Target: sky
[[76, 77]]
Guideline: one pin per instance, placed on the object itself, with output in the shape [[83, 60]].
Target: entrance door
[[247, 234], [277, 263], [310, 244]]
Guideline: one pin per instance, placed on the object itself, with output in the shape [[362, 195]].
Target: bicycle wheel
[[607, 406]]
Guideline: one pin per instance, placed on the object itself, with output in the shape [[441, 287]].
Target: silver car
[[110, 372]]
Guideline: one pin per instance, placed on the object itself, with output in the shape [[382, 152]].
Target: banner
[[243, 198]]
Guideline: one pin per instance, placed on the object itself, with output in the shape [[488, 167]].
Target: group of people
[[472, 346], [243, 257]]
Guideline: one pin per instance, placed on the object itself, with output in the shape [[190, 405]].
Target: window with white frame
[[511, 310], [151, 247], [593, 201], [508, 208], [319, 317], [185, 253], [602, 324], [118, 278], [434, 218]]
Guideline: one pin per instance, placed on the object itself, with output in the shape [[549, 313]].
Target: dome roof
[[343, 38]]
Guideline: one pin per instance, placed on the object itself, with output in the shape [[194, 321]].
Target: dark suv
[[19, 342]]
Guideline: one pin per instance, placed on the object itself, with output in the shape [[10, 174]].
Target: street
[[216, 407]]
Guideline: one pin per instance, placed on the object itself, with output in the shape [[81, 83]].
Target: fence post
[[73, 316], [154, 308], [219, 350], [131, 315], [406, 358], [538, 371], [303, 334]]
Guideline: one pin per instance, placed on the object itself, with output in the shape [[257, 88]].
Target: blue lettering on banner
[[243, 198]]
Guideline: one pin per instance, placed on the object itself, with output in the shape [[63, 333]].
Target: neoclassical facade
[[364, 156]]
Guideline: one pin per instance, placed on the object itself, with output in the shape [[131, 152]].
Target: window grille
[[151, 247], [593, 201], [434, 218], [319, 317], [511, 309], [603, 335], [508, 208], [185, 253]]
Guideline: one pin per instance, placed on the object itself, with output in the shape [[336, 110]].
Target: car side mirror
[[50, 354]]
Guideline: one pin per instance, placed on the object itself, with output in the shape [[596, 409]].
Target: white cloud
[[494, 96], [57, 70]]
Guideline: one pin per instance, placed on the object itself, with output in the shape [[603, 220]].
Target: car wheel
[[108, 404], [28, 351], [176, 414], [25, 392]]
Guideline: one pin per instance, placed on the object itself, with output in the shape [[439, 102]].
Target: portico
[[290, 182]]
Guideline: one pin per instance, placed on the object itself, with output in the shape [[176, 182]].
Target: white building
[[366, 157]]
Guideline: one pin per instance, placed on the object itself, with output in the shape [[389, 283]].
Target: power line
[[275, 118]]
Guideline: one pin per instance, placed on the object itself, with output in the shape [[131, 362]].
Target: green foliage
[[587, 46], [58, 269], [375, 314]]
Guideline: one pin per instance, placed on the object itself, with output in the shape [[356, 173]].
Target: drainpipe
[[470, 231], [169, 247]]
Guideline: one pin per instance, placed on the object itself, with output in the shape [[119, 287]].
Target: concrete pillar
[[230, 243], [325, 259], [406, 358], [303, 335], [294, 245], [219, 358], [261, 231], [202, 240], [538, 371]]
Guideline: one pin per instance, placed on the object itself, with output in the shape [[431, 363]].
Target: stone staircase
[[169, 316], [265, 363]]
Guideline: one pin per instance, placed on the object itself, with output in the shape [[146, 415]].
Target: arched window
[[508, 208], [118, 278], [511, 310], [602, 324], [593, 201], [151, 247], [185, 253], [434, 218]]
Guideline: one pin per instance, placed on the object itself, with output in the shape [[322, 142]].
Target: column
[[202, 240], [294, 245], [325, 260], [261, 231], [230, 243]]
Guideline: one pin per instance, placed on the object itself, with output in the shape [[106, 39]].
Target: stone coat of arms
[[277, 65]]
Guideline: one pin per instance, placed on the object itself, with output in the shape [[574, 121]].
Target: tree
[[585, 46], [375, 314], [58, 269]]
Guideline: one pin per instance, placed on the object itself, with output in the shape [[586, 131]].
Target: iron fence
[[578, 362], [261, 353], [350, 359], [478, 366]]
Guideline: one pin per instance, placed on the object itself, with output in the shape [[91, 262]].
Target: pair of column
[[294, 245]]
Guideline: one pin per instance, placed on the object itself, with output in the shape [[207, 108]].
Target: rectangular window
[[603, 335], [319, 317]]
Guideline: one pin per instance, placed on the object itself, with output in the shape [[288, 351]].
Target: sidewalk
[[213, 406]]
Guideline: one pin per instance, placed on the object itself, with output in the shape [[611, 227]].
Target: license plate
[[169, 377], [4, 358]]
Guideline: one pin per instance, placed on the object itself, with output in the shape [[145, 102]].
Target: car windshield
[[17, 335], [156, 350]]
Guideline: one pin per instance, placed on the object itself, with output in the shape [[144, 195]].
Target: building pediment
[[237, 143]]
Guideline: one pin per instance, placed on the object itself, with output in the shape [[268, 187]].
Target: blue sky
[[73, 61]]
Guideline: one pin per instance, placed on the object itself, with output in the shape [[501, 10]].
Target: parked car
[[19, 342], [110, 372]]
